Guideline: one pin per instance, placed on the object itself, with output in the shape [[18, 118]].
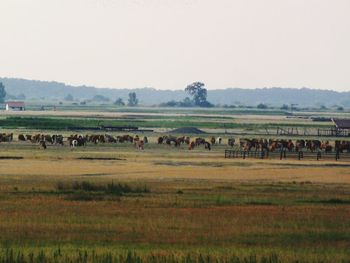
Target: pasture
[[108, 202]]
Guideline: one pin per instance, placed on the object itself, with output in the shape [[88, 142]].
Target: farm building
[[341, 129], [15, 106], [342, 126]]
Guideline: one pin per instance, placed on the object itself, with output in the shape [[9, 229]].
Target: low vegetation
[[113, 203], [108, 189], [62, 123], [57, 207], [85, 256]]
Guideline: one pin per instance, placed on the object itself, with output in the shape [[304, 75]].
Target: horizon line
[[167, 89]]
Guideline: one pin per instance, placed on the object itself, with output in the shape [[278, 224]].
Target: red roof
[[15, 103]]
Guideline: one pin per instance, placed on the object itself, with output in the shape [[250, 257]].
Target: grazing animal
[[140, 144], [125, 138], [136, 140], [172, 140], [110, 138], [191, 145], [160, 140], [207, 146], [21, 137], [6, 137], [42, 144], [36, 138], [75, 140], [73, 143], [199, 141], [48, 138], [231, 142], [326, 147], [57, 139], [290, 145], [299, 145], [342, 146]]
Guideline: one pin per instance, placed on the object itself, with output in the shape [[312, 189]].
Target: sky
[[168, 44]]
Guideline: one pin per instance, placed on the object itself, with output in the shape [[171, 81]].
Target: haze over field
[[45, 90], [168, 44]]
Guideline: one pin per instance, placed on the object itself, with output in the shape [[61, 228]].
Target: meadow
[[113, 203]]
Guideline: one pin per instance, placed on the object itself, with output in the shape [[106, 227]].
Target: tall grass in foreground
[[110, 188], [84, 256], [87, 191], [11, 256]]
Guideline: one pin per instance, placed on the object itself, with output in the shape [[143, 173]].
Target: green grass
[[85, 256], [60, 123]]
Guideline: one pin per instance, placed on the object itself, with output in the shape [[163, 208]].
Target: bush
[[262, 106], [111, 188]]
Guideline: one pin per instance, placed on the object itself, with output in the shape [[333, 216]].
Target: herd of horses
[[245, 144], [75, 140], [272, 145]]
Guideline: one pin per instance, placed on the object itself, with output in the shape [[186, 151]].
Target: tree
[[2, 93], [284, 107], [69, 97], [340, 108], [132, 101], [199, 94], [119, 102], [262, 106], [187, 102]]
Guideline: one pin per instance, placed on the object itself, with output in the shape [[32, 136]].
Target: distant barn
[[15, 106], [342, 126]]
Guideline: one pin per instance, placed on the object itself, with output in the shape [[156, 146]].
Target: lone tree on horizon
[[2, 93], [132, 101], [199, 94]]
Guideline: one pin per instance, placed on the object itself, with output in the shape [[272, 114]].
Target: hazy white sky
[[167, 44]]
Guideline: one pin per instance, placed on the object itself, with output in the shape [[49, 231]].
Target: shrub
[[110, 188]]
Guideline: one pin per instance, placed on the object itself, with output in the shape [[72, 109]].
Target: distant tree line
[[2, 93]]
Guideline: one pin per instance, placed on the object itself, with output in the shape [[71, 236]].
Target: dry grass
[[199, 202]]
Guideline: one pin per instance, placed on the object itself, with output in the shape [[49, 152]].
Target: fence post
[[300, 155], [318, 157], [245, 154], [262, 154], [337, 155]]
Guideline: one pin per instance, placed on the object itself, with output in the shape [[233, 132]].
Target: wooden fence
[[285, 154]]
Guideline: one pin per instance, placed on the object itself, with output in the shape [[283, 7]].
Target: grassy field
[[113, 203], [213, 122]]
